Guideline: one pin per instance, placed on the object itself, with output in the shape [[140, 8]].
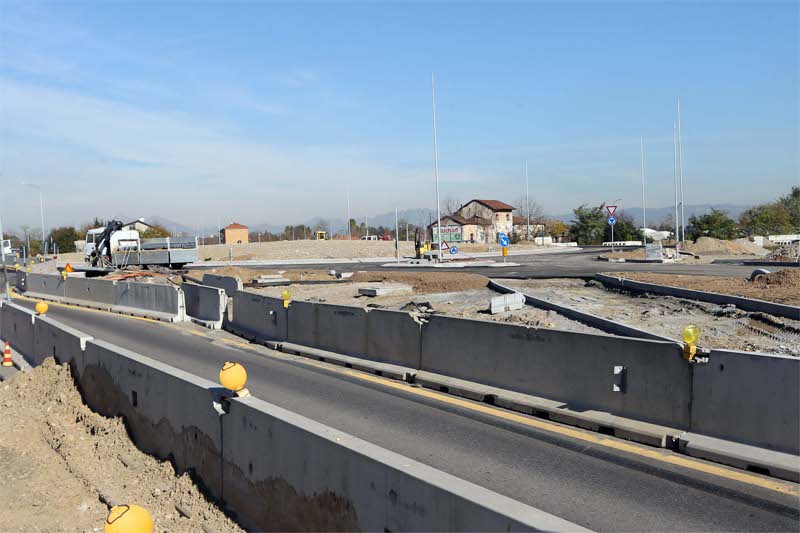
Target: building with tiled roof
[[234, 233]]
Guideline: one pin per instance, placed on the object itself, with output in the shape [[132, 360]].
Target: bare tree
[[450, 205], [531, 210]]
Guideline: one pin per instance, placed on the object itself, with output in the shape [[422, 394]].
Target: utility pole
[[396, 237], [349, 234], [675, 179], [527, 205], [680, 169], [644, 197], [366, 224], [436, 169], [219, 232], [3, 258]]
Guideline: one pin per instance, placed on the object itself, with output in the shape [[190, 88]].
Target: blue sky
[[266, 112]]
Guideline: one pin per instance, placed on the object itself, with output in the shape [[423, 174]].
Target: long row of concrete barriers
[[170, 303], [740, 408], [270, 468]]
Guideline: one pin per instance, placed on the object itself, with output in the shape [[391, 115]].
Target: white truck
[[114, 247], [6, 248]]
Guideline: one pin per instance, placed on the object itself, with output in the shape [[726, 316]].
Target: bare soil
[[57, 457], [720, 327], [712, 246], [781, 287]]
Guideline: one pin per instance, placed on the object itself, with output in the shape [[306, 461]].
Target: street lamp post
[[612, 225], [41, 208]]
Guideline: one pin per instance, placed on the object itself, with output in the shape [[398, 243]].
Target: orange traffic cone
[[7, 356]]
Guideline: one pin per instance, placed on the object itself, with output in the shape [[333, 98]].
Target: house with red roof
[[234, 233]]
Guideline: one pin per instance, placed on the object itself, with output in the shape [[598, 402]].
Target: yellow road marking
[[59, 304], [650, 453]]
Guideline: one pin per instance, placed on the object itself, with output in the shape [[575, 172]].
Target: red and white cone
[[7, 361]]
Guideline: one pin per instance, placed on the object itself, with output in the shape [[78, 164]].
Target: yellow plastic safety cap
[[42, 308], [286, 295], [691, 334], [128, 519], [233, 376]]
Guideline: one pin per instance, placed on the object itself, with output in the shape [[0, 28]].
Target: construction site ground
[[57, 457], [452, 294], [720, 327]]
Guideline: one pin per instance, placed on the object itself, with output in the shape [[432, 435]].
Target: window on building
[[508, 216]]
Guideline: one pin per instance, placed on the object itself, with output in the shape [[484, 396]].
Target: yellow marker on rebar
[[233, 376], [690, 335], [42, 308], [287, 298], [128, 519]]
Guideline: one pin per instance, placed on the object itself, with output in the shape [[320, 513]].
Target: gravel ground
[[667, 316], [470, 303], [57, 456]]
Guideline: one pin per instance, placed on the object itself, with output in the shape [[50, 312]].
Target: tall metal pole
[[396, 237], [436, 168], [366, 224], [527, 205], [675, 177], [644, 197], [349, 234], [3, 258], [680, 169], [219, 232]]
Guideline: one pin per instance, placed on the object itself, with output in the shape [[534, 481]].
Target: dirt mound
[[786, 252], [712, 246], [57, 456], [752, 247], [784, 280], [427, 282]]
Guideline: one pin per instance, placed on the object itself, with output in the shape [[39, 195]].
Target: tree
[[529, 210], [450, 205], [766, 219], [64, 237], [667, 223], [86, 226], [589, 224], [624, 230], [154, 232], [792, 204], [556, 228], [715, 224]]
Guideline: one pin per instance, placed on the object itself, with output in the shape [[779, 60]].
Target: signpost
[[503, 238], [454, 250], [611, 221]]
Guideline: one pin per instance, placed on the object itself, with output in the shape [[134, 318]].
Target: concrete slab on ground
[[384, 288]]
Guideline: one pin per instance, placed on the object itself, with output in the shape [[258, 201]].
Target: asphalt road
[[586, 483], [565, 264]]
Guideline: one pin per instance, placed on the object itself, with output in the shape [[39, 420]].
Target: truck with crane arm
[[114, 247]]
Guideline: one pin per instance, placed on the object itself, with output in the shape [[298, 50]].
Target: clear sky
[[266, 112]]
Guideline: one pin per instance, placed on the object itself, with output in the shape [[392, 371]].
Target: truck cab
[[121, 241]]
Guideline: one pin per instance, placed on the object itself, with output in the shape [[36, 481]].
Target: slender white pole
[[41, 212], [644, 197], [3, 258], [675, 177], [349, 235], [396, 237], [680, 169], [527, 204], [219, 232], [436, 168], [366, 224]]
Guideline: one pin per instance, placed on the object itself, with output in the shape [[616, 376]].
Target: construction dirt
[[712, 246], [457, 295], [781, 287], [720, 327], [57, 457]]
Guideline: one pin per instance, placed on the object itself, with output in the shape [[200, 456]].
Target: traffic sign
[[444, 246], [612, 220], [503, 239], [454, 250], [611, 210]]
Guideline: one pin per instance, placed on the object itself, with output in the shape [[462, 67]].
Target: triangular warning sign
[[611, 210], [69, 268], [445, 246]]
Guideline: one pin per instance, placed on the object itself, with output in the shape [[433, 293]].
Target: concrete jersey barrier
[[205, 305], [259, 318], [94, 291], [229, 283], [163, 302], [46, 284], [574, 368], [746, 304], [274, 469]]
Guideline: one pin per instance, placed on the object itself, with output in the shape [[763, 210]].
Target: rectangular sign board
[[654, 251], [449, 234]]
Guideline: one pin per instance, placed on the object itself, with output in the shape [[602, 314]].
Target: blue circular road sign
[[612, 220], [503, 239], [453, 250]]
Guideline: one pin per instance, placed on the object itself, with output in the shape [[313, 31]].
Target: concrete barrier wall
[[749, 398], [17, 329], [46, 284], [96, 291], [273, 469], [337, 328], [229, 283], [393, 337], [258, 317], [206, 305], [166, 300], [746, 304], [54, 339], [21, 280], [286, 472], [575, 368]]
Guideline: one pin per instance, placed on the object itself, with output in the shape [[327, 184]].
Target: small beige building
[[234, 233], [477, 221]]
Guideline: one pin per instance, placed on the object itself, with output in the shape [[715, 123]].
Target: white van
[[125, 240]]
